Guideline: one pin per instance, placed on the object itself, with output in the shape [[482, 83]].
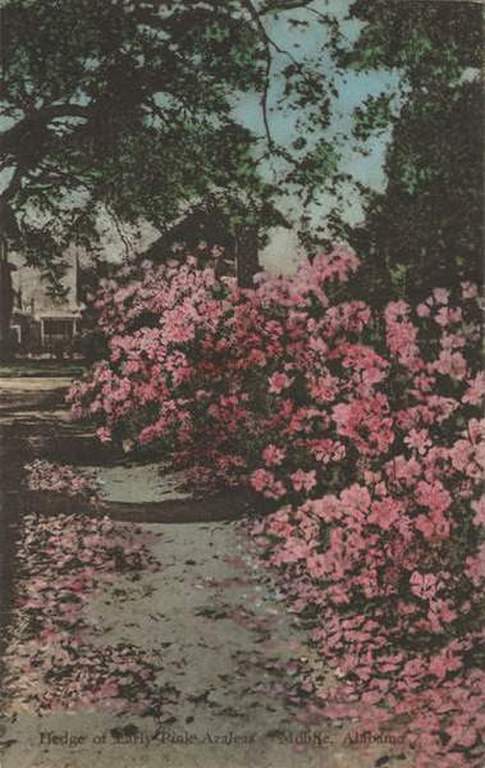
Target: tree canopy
[[425, 228], [128, 107], [129, 104]]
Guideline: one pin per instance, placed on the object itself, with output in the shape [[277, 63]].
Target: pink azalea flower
[[469, 290], [479, 509], [385, 513], [419, 440], [104, 434], [423, 585], [303, 480], [476, 390], [278, 382], [261, 478], [273, 456], [441, 295], [422, 310]]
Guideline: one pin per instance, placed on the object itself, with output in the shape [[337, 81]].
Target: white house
[[40, 321]]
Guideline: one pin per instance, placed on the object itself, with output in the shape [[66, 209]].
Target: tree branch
[[8, 222], [284, 6], [116, 220], [14, 185], [270, 43], [40, 117], [269, 40], [264, 98], [51, 175], [266, 85]]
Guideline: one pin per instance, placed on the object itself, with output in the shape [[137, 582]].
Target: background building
[[41, 321]]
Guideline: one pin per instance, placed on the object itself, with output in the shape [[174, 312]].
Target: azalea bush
[[363, 430]]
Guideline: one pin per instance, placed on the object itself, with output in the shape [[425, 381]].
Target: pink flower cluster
[[364, 432], [57, 478]]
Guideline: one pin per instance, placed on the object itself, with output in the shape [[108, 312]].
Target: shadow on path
[[34, 424]]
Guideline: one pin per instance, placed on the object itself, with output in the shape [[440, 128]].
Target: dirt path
[[229, 650]]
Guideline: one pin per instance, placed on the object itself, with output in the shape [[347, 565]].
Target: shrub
[[364, 431]]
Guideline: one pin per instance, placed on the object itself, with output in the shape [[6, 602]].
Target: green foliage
[[127, 106], [373, 116], [426, 228], [424, 39], [120, 104]]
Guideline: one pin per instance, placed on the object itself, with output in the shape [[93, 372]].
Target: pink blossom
[[104, 434], [422, 310], [469, 290], [385, 513], [451, 364], [303, 480], [324, 388], [476, 389], [273, 456], [418, 439], [441, 295], [433, 495], [278, 382], [479, 509], [423, 584]]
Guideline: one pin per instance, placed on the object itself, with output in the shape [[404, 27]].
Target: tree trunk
[[247, 258], [6, 300]]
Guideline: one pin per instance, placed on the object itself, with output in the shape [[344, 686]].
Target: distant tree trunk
[[6, 299], [247, 257], [8, 229]]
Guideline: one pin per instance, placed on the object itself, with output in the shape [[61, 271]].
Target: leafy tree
[[425, 228], [128, 106]]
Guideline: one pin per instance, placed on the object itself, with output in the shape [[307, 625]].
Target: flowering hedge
[[363, 429]]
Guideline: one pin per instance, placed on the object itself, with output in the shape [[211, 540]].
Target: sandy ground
[[230, 654], [137, 483], [33, 384]]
